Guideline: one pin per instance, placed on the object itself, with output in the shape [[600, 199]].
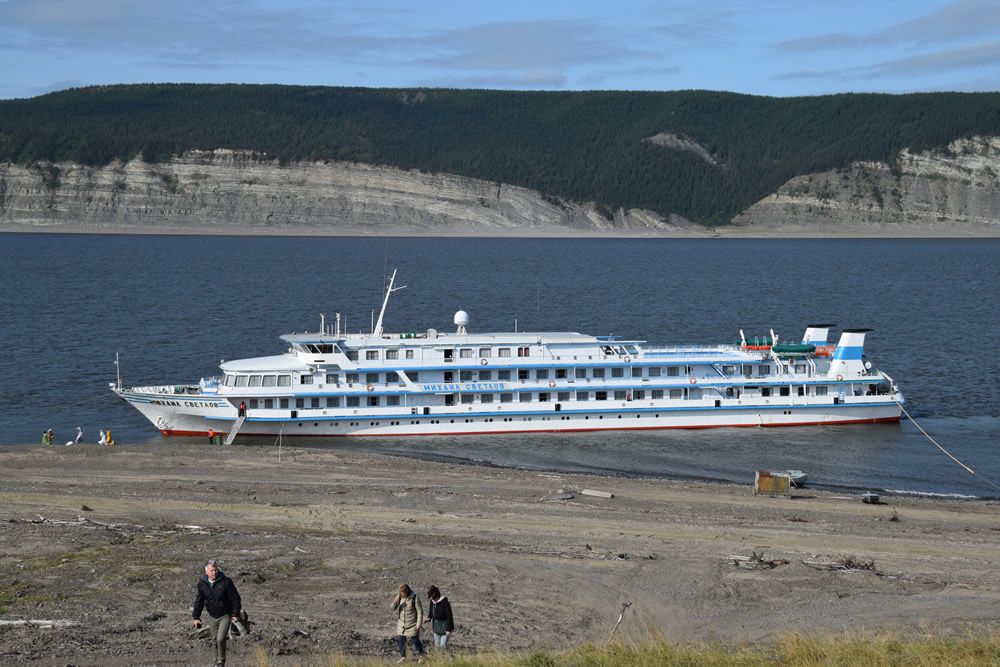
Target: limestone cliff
[[957, 189], [231, 191]]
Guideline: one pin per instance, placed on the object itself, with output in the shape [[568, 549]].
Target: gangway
[[236, 429]]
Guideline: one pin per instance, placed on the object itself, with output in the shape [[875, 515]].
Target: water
[[174, 306]]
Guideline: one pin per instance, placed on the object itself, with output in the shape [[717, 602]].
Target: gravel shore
[[112, 540]]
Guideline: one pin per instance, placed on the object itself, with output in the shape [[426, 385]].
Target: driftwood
[[843, 565], [625, 606], [57, 623], [596, 494], [756, 561]]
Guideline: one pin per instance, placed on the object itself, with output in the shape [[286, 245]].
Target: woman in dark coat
[[439, 616]]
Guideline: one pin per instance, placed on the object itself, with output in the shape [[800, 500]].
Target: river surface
[[174, 306]]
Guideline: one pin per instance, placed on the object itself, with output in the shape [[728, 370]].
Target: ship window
[[392, 354], [562, 396], [465, 376], [600, 395], [270, 380], [583, 396], [413, 375], [504, 352], [503, 375], [283, 403], [392, 400], [800, 368], [522, 374], [765, 391], [284, 380], [764, 370], [655, 371], [598, 372], [353, 378], [581, 373], [656, 393], [783, 391], [729, 370], [676, 393], [620, 396], [253, 403], [371, 355], [639, 394], [637, 371], [352, 355], [802, 391], [617, 372], [468, 398], [560, 373], [332, 378], [353, 401], [748, 370], [506, 398], [485, 375], [542, 374], [254, 380], [333, 402], [485, 352], [305, 379], [465, 353], [821, 391], [300, 403], [522, 351], [524, 398], [230, 380], [314, 402], [409, 354], [486, 398], [672, 371], [543, 397], [373, 401], [268, 403], [391, 377], [371, 378]]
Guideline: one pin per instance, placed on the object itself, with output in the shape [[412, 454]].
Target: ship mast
[[377, 331]]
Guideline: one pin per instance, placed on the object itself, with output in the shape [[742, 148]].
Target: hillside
[[695, 155]]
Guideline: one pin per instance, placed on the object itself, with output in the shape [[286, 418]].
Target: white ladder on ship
[[236, 429]]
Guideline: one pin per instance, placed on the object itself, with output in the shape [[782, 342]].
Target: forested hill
[[703, 155]]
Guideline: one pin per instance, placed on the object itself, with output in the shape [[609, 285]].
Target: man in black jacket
[[218, 596]]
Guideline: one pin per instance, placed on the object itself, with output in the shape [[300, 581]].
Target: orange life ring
[[370, 387], [552, 383], [840, 377], [693, 380], [483, 362]]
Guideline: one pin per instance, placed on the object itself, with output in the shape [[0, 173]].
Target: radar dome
[[461, 321]]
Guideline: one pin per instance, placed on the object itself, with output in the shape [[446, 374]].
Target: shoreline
[[943, 231], [319, 541]]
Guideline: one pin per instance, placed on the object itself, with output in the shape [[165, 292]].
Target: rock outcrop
[[957, 189], [231, 191]]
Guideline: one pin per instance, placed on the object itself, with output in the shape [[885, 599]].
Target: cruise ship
[[334, 383]]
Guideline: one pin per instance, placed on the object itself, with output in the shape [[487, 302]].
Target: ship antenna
[[322, 324], [118, 372], [377, 329]]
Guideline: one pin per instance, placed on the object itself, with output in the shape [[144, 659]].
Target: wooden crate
[[765, 483]]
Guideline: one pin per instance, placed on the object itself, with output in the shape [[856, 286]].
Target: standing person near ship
[[439, 616], [243, 409], [211, 436], [410, 613], [218, 596]]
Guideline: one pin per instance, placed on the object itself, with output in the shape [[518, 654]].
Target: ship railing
[[169, 389]]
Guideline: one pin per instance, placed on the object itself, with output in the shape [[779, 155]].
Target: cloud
[[980, 55], [957, 21]]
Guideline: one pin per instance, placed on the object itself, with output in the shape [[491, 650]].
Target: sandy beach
[[111, 542]]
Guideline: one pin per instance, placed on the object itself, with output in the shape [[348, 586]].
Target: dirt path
[[319, 543]]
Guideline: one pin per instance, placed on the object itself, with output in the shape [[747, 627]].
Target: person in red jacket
[[218, 596]]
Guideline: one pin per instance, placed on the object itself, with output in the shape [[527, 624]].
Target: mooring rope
[[947, 453]]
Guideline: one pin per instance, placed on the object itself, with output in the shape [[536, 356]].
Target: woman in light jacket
[[411, 616]]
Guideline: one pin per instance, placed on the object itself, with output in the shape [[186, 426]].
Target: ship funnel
[[847, 360], [816, 334]]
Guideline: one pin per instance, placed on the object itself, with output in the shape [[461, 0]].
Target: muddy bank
[[112, 541]]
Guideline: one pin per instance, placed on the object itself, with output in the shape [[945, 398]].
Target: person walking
[[439, 616], [47, 437], [410, 613], [218, 596], [211, 436]]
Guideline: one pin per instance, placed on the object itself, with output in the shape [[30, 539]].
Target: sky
[[762, 47]]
